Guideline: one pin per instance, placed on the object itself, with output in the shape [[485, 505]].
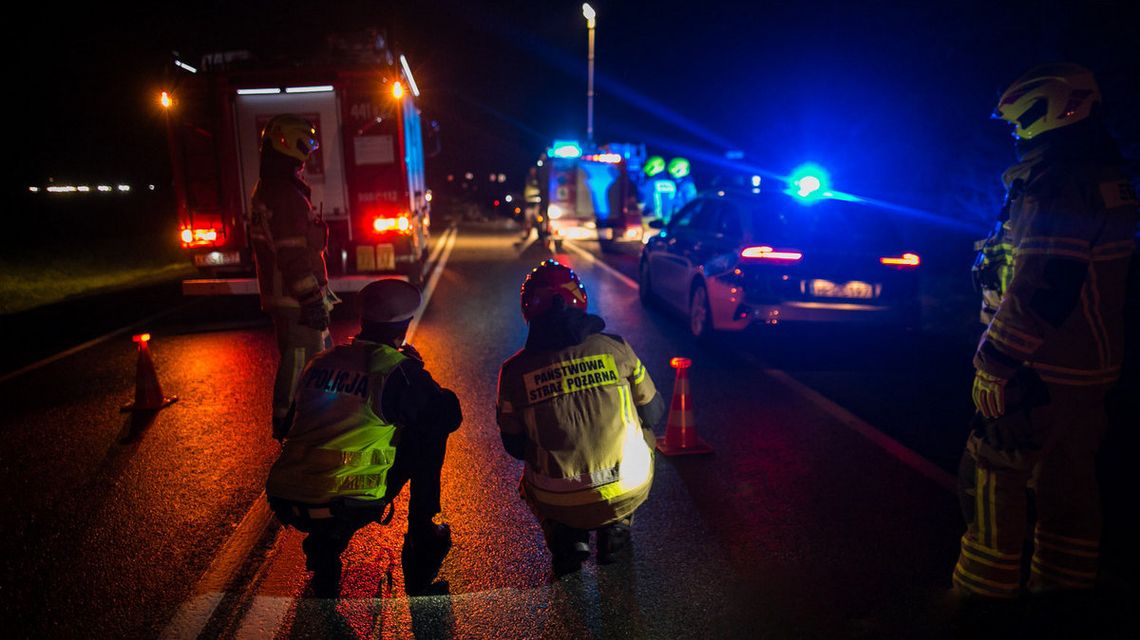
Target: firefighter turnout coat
[[589, 462], [288, 242], [1070, 236]]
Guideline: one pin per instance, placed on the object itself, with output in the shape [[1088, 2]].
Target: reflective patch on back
[[570, 376], [1118, 193]]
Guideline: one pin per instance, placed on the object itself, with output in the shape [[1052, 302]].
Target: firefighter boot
[[425, 547], [323, 560], [613, 540], [569, 547]]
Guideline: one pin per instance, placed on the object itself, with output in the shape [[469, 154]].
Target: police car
[[737, 257]]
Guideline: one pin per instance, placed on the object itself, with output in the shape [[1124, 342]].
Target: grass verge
[[26, 286]]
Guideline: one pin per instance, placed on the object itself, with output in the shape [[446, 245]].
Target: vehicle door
[[668, 261]]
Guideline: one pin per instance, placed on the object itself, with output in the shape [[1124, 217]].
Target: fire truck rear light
[[400, 224], [768, 253], [199, 237], [905, 260]]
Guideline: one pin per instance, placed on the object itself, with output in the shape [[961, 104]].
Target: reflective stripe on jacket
[[588, 460], [340, 444], [288, 244], [1071, 232]]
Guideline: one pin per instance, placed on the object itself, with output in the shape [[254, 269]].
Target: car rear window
[[830, 224]]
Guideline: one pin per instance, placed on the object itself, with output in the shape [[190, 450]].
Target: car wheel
[[700, 313], [644, 286]]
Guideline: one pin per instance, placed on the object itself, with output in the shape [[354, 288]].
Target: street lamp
[[590, 15]]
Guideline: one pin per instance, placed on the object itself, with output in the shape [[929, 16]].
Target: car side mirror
[[657, 223]]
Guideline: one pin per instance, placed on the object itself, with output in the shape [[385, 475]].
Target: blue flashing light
[[566, 149], [809, 183]]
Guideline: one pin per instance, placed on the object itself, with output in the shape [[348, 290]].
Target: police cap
[[389, 301]]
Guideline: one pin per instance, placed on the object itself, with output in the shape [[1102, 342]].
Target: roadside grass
[[27, 285]]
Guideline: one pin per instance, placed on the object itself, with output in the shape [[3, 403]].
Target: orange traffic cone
[[148, 394], [680, 432]]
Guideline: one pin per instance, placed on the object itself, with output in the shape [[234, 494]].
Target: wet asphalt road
[[795, 527]]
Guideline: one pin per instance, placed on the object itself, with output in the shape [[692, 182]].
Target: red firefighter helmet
[[546, 282]]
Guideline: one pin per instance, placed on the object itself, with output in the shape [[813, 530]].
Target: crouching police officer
[[368, 418], [578, 407]]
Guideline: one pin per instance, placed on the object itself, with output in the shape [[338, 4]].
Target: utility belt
[[300, 515]]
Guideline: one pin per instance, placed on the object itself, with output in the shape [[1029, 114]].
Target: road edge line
[[893, 447], [437, 272], [93, 342], [594, 260], [195, 613]]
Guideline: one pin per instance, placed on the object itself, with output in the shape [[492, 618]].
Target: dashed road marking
[[592, 259]]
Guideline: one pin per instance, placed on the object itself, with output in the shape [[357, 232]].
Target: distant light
[[566, 149], [756, 181], [469, 175], [397, 90], [589, 14], [258, 92], [127, 187], [149, 186], [323, 88], [34, 189], [554, 211], [104, 188], [508, 198], [540, 163], [165, 100], [408, 73], [502, 177], [83, 189], [62, 189], [182, 65], [605, 158], [428, 196]]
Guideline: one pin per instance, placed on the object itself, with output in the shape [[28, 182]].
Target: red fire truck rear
[[367, 178]]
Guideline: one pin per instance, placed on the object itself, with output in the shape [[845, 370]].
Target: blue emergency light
[[809, 183]]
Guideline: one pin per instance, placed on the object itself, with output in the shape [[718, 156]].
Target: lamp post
[[590, 15]]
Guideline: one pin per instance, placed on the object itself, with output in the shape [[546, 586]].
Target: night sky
[[892, 97]]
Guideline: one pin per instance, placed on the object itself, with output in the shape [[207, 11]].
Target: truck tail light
[[765, 252], [401, 224], [905, 261], [199, 237]]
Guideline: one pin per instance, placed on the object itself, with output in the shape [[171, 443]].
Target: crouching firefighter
[[1054, 279], [578, 407], [367, 419]]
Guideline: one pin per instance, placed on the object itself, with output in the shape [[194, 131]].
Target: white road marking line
[[437, 271], [893, 447], [592, 259], [888, 444], [265, 614], [91, 343], [193, 615]]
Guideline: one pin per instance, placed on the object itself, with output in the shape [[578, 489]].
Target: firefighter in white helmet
[[1056, 272], [577, 406], [289, 241], [368, 418]]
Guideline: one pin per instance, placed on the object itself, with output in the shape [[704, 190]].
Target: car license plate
[[854, 289]]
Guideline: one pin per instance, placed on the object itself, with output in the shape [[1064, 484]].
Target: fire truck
[[592, 193], [367, 177]]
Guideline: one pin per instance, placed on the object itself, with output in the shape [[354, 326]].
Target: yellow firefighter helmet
[[1048, 97]]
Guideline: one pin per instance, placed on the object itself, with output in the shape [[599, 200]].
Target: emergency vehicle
[[367, 177], [593, 193]]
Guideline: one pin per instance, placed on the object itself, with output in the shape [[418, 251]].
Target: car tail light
[[198, 237], [905, 261], [401, 224], [768, 253]]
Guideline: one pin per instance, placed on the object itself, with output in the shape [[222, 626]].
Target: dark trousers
[[419, 460]]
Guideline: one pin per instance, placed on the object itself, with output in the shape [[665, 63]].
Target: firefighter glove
[[315, 314], [989, 394]]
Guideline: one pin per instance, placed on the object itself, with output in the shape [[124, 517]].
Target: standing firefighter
[[368, 418], [288, 241], [1055, 274], [577, 406]]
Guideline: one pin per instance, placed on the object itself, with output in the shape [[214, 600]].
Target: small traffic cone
[[148, 394], [680, 432]]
